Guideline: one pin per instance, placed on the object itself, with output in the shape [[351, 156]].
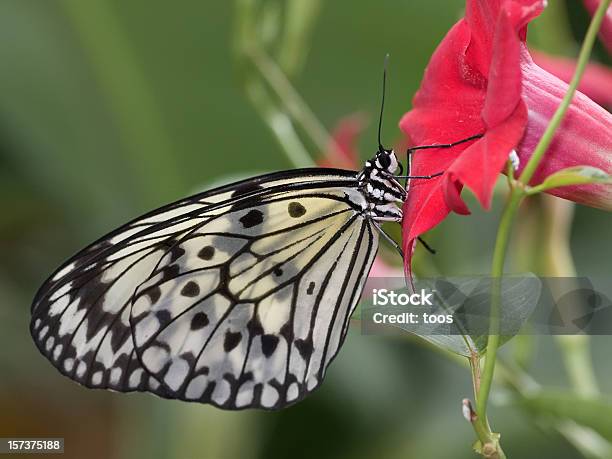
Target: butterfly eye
[[384, 160]]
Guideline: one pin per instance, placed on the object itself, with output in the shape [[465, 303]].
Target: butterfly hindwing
[[246, 259]]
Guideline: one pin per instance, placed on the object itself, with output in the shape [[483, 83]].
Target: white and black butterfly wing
[[243, 294], [249, 309]]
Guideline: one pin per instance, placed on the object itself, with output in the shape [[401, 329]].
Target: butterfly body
[[380, 188], [239, 297]]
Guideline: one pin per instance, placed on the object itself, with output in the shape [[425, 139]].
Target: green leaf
[[462, 345], [468, 301], [471, 310], [593, 412], [578, 175]]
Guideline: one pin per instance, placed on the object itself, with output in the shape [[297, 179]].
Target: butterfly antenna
[[382, 105]]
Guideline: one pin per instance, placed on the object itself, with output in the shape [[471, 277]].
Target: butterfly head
[[380, 188], [386, 160]]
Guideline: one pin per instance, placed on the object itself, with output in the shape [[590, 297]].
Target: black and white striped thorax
[[380, 188]]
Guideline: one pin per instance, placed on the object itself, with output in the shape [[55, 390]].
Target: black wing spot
[[252, 218], [278, 272], [296, 210], [304, 347], [231, 340], [268, 344], [163, 316], [170, 272], [254, 326], [286, 331], [95, 288], [190, 289], [173, 249], [199, 321], [176, 253], [310, 289], [207, 252], [119, 337], [154, 293]]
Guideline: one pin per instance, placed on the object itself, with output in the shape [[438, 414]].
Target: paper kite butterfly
[[239, 297]]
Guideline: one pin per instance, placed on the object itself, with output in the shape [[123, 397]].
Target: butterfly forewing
[[239, 297]]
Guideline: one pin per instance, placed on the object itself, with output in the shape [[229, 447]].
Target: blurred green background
[[110, 108]]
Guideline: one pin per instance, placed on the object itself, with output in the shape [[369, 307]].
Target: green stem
[[279, 123], [268, 85], [295, 105], [481, 425], [524, 386], [497, 271], [583, 59]]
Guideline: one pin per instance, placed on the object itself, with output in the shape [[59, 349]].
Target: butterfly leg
[[426, 245], [411, 150], [437, 174], [443, 145], [389, 238]]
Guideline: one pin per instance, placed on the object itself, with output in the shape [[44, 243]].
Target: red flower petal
[[584, 137], [605, 31], [504, 76], [482, 18], [596, 80], [488, 156], [448, 104]]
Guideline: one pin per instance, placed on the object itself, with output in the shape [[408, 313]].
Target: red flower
[[481, 79]]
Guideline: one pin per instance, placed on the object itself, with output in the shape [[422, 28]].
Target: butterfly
[[239, 297]]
